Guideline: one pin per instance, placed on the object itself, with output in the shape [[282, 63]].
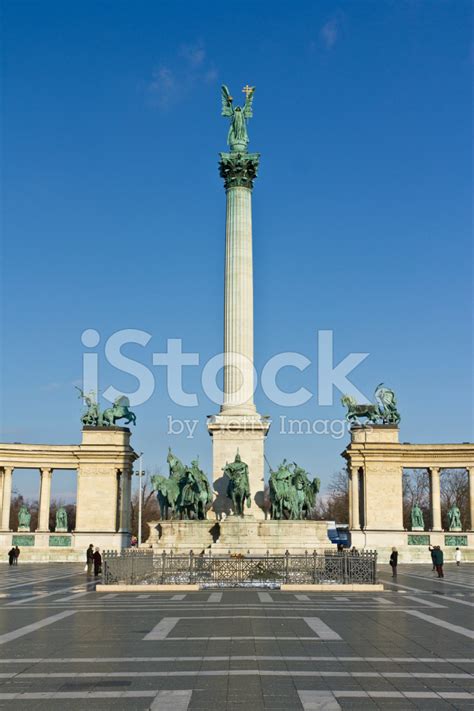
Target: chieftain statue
[[417, 520], [292, 494], [93, 417], [384, 411], [24, 518], [238, 488], [61, 519], [186, 494], [454, 518], [237, 137]]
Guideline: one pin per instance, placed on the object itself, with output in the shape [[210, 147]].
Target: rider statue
[[238, 488]]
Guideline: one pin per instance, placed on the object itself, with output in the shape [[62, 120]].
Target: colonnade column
[[354, 498], [125, 500], [471, 497], [45, 499], [435, 498], [6, 498]]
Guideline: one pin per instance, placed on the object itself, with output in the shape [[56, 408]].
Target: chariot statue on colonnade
[[93, 417], [384, 411]]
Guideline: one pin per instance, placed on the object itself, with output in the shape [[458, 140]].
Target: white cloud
[[329, 33]]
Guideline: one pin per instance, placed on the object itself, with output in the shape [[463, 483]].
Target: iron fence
[[239, 570]]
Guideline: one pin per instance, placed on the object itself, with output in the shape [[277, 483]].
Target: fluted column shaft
[[238, 303], [435, 498], [7, 497], [45, 499], [125, 500]]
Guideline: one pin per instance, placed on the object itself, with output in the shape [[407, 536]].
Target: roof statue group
[[186, 493], [384, 411], [94, 417]]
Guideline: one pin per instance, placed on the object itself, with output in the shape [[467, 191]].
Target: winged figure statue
[[237, 137]]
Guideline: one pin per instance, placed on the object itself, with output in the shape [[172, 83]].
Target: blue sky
[[114, 210]]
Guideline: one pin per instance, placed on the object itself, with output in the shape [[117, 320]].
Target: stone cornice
[[238, 169]]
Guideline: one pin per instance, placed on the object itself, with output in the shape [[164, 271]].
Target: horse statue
[[91, 416], [177, 469], [238, 488], [383, 411], [120, 410], [281, 492], [167, 492]]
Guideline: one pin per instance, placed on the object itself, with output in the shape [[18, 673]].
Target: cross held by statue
[[248, 90]]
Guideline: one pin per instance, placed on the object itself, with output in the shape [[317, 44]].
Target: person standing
[[432, 551], [394, 562], [439, 561], [458, 556], [97, 562], [90, 559], [17, 555], [11, 556]]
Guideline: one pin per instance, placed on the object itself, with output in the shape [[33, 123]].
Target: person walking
[[394, 561], [90, 559], [432, 551], [458, 556], [439, 561], [97, 562], [11, 556], [17, 555]]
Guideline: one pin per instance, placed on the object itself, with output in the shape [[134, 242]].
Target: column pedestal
[[245, 435]]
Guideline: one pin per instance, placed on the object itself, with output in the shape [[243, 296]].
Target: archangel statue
[[417, 520], [237, 137], [383, 411]]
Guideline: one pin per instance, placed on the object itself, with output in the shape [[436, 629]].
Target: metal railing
[[240, 570], [130, 566]]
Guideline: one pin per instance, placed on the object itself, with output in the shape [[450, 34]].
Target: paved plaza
[[64, 645]]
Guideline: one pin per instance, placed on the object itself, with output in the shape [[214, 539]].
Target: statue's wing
[[122, 401], [227, 109], [248, 104]]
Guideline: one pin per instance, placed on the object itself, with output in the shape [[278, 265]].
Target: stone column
[[354, 498], [45, 499], [238, 171], [125, 500], [435, 498], [1, 492], [7, 497], [471, 497]]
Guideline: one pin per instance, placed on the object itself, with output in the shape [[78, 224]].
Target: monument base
[[244, 434], [413, 546], [246, 535]]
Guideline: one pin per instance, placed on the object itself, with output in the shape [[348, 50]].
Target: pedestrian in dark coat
[[90, 559], [97, 562], [432, 551], [439, 561], [11, 556], [17, 555], [394, 562]]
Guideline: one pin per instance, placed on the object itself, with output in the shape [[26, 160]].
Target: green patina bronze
[[237, 138], [383, 412], [93, 417], [455, 541], [238, 488], [238, 168], [454, 517], [186, 494], [24, 517], [61, 518], [23, 540], [292, 494], [417, 520], [414, 540], [60, 541]]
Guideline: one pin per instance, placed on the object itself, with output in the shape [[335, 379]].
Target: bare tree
[[334, 505], [150, 507], [454, 485], [416, 490]]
